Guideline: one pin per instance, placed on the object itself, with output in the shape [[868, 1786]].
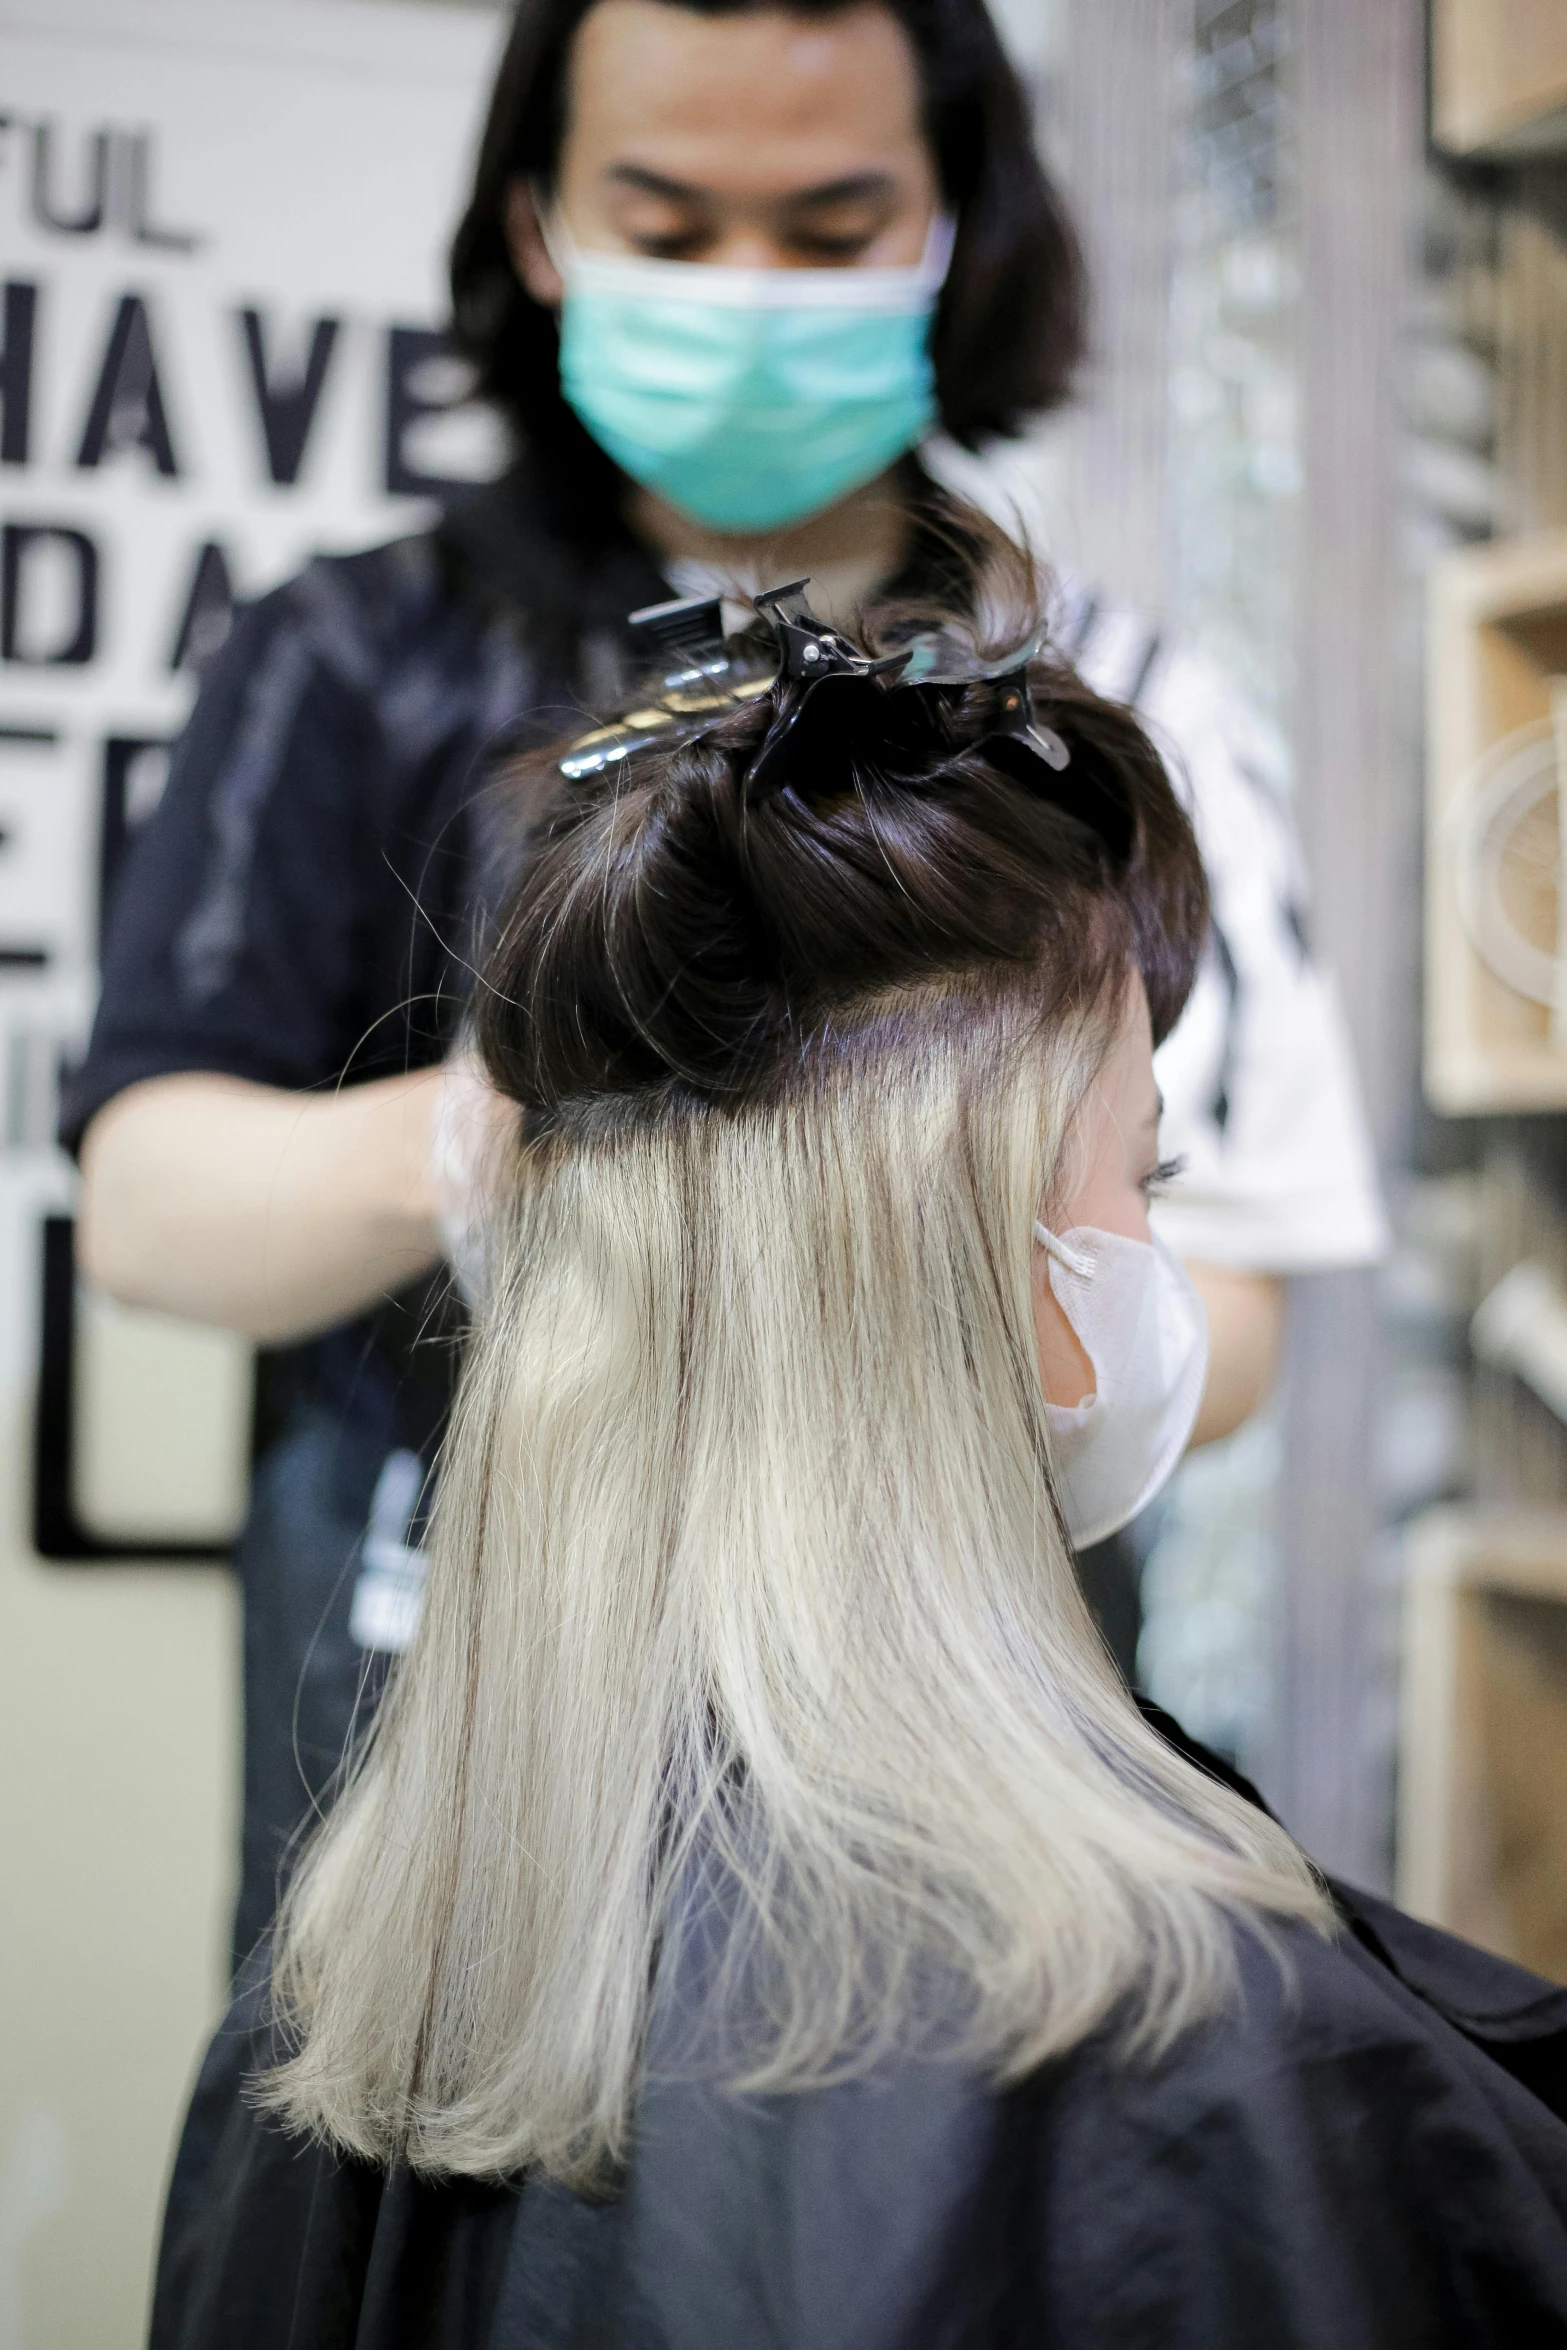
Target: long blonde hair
[[750, 1597]]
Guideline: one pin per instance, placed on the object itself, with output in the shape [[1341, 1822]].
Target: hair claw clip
[[940, 658], [685, 636], [1017, 720], [697, 677], [810, 655], [808, 649], [1017, 738]]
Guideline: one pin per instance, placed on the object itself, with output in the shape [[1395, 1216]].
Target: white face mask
[[1144, 1328]]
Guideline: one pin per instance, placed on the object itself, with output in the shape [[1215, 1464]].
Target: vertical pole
[[1125, 91], [1359, 98]]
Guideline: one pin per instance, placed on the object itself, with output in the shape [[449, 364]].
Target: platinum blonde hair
[[748, 1573]]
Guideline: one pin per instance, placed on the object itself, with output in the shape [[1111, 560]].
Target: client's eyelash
[[1167, 1172]]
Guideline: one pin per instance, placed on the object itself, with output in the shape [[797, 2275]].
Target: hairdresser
[[726, 268]]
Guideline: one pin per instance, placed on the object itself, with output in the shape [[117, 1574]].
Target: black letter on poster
[[89, 220], [287, 404], [410, 350], [16, 371], [145, 230], [20, 541], [209, 610], [127, 409]]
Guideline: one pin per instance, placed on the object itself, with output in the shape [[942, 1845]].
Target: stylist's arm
[[268, 1212], [1245, 1336]]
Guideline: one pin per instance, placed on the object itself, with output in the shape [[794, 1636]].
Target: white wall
[[313, 151]]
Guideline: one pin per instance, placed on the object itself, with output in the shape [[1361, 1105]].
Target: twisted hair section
[[756, 1724]]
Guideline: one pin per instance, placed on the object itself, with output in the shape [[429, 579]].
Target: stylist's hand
[[473, 1134], [279, 1214]]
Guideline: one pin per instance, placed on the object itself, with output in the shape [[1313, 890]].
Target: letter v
[[287, 404]]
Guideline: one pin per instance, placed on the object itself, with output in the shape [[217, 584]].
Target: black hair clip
[[697, 676], [898, 701], [808, 650], [1015, 720], [1015, 738], [815, 661], [686, 637], [938, 665], [940, 660]]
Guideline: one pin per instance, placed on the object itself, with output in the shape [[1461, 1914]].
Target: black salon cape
[[1370, 2153]]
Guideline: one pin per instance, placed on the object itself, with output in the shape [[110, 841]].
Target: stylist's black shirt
[[301, 908]]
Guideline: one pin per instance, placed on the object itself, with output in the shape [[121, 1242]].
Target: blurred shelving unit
[[1482, 1840], [1482, 1845], [1494, 921], [1499, 77]]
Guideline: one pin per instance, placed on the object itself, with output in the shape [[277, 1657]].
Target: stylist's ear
[[525, 242]]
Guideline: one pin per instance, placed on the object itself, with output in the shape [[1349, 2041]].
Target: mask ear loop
[[1074, 1260]]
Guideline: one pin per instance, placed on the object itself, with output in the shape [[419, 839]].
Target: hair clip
[[686, 637], [698, 675], [808, 650], [811, 657], [1016, 720], [1080, 784], [940, 659]]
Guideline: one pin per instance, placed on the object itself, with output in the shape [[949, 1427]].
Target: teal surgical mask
[[749, 398]]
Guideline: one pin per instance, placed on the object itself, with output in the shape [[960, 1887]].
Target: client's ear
[[1066, 1370], [529, 253]]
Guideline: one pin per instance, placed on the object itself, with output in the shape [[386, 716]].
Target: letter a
[[127, 410]]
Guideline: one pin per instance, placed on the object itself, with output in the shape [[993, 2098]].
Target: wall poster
[[221, 238], [222, 231]]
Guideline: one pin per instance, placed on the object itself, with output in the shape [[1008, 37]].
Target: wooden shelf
[[1499, 77], [1482, 1828], [1497, 635]]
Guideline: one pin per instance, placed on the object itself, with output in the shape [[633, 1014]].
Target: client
[[761, 1915]]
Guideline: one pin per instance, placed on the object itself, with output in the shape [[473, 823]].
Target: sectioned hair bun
[[673, 933]]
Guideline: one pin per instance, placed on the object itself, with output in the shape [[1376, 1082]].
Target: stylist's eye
[[834, 235], [827, 250], [678, 244], [1161, 1177], [662, 231]]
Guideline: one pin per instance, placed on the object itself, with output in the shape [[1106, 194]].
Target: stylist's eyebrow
[[655, 183], [857, 187]]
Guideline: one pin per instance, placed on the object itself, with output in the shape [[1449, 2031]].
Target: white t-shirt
[[1261, 1098]]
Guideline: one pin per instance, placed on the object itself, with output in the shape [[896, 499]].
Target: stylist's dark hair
[[1009, 330]]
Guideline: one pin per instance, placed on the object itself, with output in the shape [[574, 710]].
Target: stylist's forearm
[[272, 1213], [1245, 1332]]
